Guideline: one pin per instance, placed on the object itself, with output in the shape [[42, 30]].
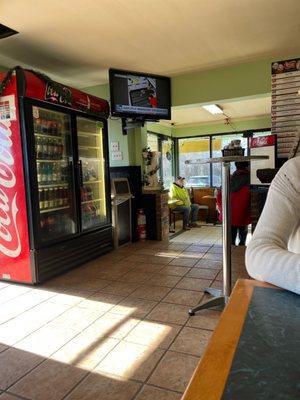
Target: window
[[167, 164], [218, 143], [194, 149], [152, 141], [165, 146]]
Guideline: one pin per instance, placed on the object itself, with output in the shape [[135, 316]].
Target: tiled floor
[[117, 328]]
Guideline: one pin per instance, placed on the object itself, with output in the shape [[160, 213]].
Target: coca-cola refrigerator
[[54, 178]]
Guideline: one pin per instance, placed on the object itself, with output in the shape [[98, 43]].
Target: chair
[[172, 214], [206, 209]]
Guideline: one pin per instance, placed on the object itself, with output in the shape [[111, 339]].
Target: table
[[219, 374], [220, 297]]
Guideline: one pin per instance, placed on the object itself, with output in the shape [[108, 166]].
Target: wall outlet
[[115, 146]]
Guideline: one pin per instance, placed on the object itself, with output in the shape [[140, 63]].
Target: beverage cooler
[[54, 180]]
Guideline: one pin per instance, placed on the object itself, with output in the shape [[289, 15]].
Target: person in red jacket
[[240, 203]]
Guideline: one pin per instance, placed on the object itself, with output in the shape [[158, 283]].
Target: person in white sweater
[[273, 254]]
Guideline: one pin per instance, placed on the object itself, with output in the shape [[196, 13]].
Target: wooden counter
[[210, 377]]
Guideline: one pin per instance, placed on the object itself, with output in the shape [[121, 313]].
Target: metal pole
[[226, 229]]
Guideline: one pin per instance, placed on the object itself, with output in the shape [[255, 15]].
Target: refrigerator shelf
[[92, 159], [87, 134], [91, 201], [48, 160], [45, 135], [89, 147], [90, 182], [54, 209], [50, 185]]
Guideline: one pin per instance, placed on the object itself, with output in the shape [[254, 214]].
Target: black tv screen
[[139, 95]]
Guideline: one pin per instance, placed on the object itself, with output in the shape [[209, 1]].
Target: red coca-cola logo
[[260, 141], [10, 244]]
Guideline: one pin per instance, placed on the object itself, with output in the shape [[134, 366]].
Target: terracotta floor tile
[[14, 364], [130, 361], [23, 303], [148, 268], [164, 280], [101, 301], [153, 334], [7, 396], [184, 297], [169, 313], [193, 284], [134, 307], [191, 341], [3, 347], [147, 292], [12, 291], [153, 393], [177, 271], [46, 340], [77, 318], [120, 288], [99, 387], [198, 248], [86, 350], [204, 319], [69, 296], [202, 273], [113, 325], [174, 371], [49, 381], [211, 264], [213, 256], [30, 321], [135, 277], [184, 261]]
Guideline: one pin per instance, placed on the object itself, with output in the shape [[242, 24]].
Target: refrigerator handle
[[80, 174]]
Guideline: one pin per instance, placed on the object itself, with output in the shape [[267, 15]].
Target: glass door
[[54, 166], [92, 171]]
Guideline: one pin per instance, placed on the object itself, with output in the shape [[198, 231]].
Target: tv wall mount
[[132, 123]]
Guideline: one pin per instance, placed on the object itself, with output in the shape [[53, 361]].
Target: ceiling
[[76, 41], [237, 110]]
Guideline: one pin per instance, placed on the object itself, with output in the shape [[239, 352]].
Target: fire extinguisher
[[141, 224]]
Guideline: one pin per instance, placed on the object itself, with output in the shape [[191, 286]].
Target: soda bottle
[[54, 127], [45, 148], [61, 197], [41, 199], [66, 197], [46, 198], [51, 198], [60, 149], [38, 125], [45, 126], [56, 155], [39, 148], [55, 172], [39, 172], [55, 198], [50, 223]]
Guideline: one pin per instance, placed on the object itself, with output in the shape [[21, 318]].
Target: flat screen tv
[[138, 95]]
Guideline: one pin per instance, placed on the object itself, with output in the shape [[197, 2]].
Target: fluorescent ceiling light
[[213, 109]]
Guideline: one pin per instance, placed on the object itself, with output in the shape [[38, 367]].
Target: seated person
[[273, 254], [190, 211], [240, 203]]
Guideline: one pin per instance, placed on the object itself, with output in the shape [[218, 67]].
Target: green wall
[[224, 83], [239, 126]]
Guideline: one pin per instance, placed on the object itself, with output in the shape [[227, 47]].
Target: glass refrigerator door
[[54, 165], [90, 151]]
